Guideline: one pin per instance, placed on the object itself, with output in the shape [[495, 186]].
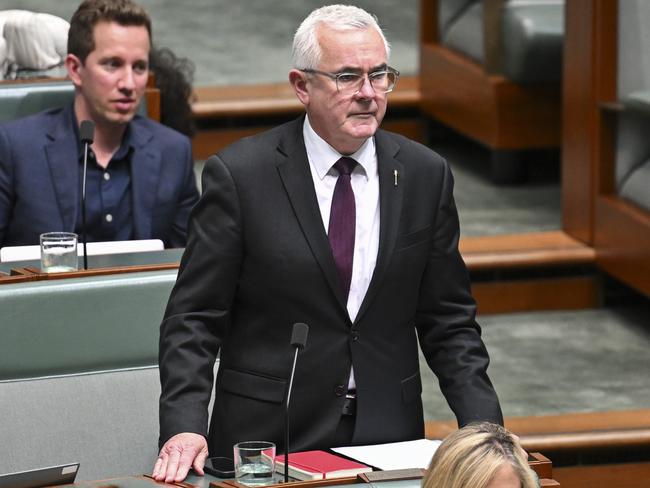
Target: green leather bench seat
[[106, 421], [26, 98], [632, 162], [79, 372], [632, 168], [460, 27], [21, 99], [636, 187], [531, 36], [82, 324]]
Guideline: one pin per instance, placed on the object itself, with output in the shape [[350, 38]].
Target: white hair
[[306, 49]]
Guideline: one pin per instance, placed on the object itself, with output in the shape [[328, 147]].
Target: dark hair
[[173, 77], [81, 41]]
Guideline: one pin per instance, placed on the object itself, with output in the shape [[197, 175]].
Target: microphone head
[[299, 335], [86, 131]]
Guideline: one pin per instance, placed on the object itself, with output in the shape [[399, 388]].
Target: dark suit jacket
[[40, 183], [258, 260]]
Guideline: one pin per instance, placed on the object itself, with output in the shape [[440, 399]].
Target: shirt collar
[[125, 146], [322, 156]]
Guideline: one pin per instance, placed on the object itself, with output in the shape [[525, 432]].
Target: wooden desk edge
[[31, 273], [539, 463]]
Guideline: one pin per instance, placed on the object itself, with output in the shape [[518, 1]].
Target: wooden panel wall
[[589, 77]]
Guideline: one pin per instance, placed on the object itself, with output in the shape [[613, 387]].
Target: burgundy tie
[[343, 222]]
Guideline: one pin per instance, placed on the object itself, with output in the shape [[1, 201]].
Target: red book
[[319, 465]]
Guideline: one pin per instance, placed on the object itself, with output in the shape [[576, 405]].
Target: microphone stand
[[298, 340], [83, 205], [86, 135], [286, 420]]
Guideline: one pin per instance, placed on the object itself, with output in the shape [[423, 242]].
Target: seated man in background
[[140, 182], [480, 455]]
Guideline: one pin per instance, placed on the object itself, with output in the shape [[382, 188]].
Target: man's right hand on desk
[[180, 453]]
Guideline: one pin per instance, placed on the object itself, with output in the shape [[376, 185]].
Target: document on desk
[[394, 455]]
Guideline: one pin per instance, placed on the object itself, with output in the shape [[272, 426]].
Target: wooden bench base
[[527, 255], [488, 108]]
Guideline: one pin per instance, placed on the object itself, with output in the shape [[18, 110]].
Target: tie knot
[[345, 166]]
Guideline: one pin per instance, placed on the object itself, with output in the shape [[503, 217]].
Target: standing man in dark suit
[[140, 174], [330, 221]]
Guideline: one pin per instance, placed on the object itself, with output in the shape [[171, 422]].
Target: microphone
[[298, 341], [86, 133], [299, 335]]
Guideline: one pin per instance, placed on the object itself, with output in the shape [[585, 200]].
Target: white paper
[[395, 455]]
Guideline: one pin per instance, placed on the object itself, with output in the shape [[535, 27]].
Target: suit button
[[355, 335], [339, 390]]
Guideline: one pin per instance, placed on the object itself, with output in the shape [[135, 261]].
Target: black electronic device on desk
[[36, 478], [221, 467]]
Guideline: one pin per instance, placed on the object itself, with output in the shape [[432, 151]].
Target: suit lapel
[[63, 161], [145, 173], [293, 167], [390, 209]]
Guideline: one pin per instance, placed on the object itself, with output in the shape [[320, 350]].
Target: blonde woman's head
[[480, 455]]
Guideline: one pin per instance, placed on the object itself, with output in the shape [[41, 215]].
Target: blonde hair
[[471, 456]]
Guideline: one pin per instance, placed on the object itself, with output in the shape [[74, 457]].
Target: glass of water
[[254, 462], [59, 252]]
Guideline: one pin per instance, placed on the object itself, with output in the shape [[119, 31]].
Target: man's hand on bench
[[180, 453]]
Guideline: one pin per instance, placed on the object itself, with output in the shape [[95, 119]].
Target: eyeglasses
[[382, 81]]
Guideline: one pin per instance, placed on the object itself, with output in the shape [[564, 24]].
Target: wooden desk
[[540, 464], [204, 482]]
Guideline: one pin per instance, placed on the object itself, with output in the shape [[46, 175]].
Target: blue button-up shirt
[[109, 215]]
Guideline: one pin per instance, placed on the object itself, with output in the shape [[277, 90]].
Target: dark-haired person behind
[[173, 77], [141, 182]]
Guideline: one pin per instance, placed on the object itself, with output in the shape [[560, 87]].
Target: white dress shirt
[[365, 184]]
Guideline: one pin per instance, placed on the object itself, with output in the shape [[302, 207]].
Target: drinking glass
[[254, 462], [59, 252]]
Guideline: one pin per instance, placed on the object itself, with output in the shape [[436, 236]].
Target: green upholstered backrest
[[632, 168], [19, 100], [76, 325], [78, 372], [531, 41], [524, 43], [23, 99], [108, 422]]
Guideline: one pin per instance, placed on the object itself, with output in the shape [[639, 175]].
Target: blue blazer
[[40, 187]]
